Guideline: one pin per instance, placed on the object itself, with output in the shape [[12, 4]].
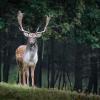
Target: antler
[[26, 33], [47, 22], [20, 18]]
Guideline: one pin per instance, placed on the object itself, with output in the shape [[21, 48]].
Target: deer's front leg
[[27, 75], [32, 75]]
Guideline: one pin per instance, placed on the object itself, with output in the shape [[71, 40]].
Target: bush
[[17, 92]]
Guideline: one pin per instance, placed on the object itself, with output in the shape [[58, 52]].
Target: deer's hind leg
[[24, 75], [20, 73]]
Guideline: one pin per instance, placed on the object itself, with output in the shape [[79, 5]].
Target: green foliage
[[86, 24], [81, 23], [2, 23], [13, 92], [90, 28]]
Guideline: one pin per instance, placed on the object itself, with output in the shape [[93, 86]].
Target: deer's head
[[31, 36]]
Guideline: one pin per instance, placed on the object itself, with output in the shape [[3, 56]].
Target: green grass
[[18, 92]]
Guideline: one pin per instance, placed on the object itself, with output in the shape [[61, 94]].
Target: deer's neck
[[31, 54]]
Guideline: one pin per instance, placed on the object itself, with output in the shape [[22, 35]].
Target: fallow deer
[[27, 55]]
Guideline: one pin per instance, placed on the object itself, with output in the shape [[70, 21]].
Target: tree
[[93, 80], [78, 69]]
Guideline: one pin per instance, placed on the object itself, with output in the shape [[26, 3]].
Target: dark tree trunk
[[48, 74], [5, 78], [6, 62], [38, 70], [68, 76], [63, 65], [78, 69], [52, 64], [59, 82], [93, 80], [64, 80], [0, 65], [56, 76]]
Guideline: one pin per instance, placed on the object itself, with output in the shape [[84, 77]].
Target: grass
[[18, 92]]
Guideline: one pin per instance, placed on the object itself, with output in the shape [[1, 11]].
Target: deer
[[27, 54]]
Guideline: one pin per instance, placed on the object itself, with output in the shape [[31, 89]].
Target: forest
[[69, 51]]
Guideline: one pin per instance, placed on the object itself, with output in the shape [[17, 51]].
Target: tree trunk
[[63, 65], [78, 69], [59, 82], [92, 85], [38, 70], [0, 65], [6, 61], [52, 64], [64, 80], [68, 76], [48, 74]]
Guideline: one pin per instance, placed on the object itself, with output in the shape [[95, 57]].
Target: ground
[[18, 92]]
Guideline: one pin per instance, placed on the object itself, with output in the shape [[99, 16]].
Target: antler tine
[[47, 22], [20, 18], [38, 28]]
